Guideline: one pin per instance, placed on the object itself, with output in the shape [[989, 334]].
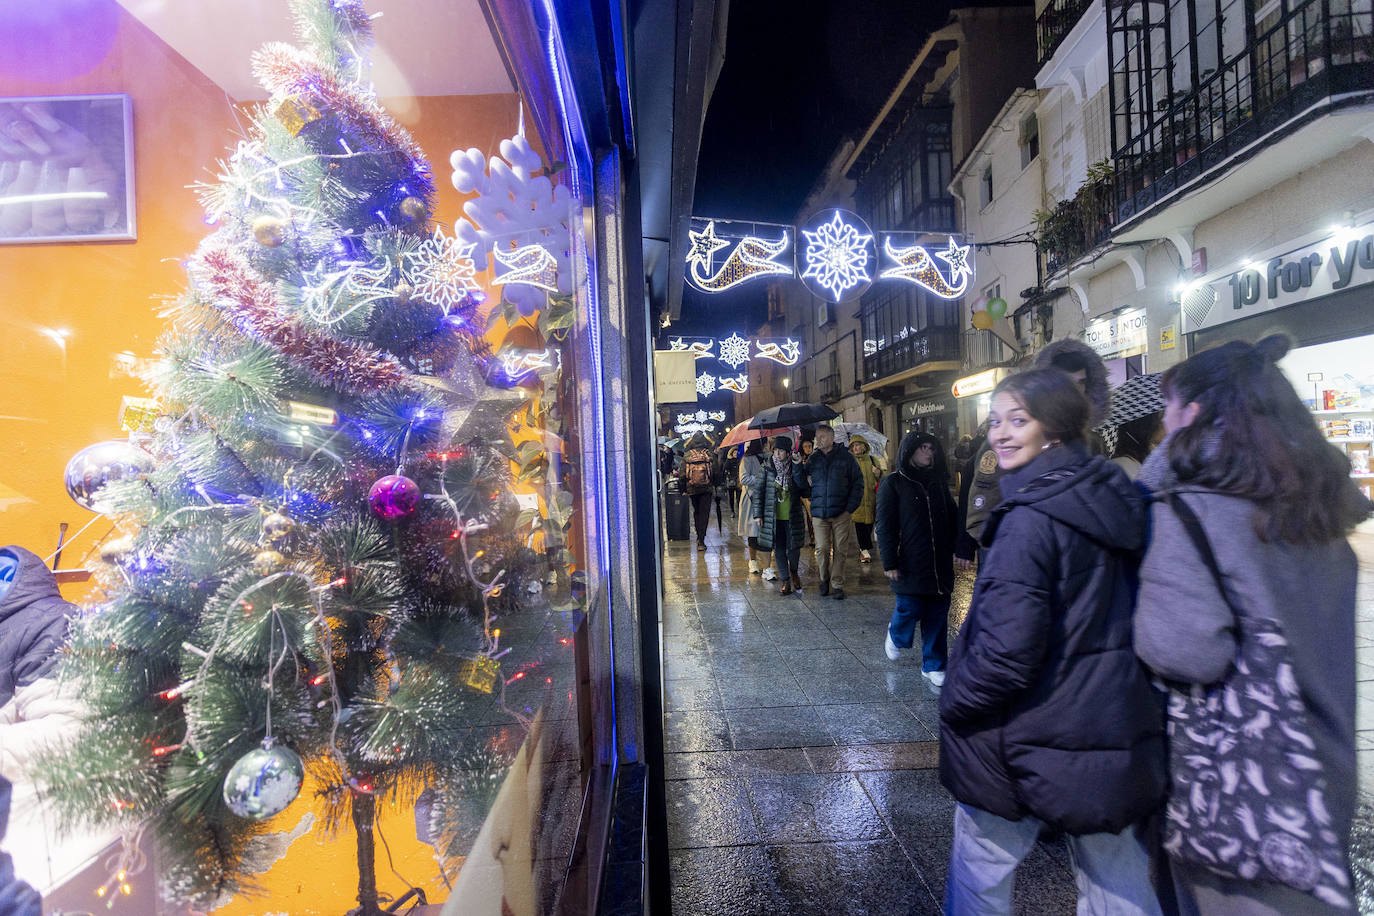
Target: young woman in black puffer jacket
[[1047, 719]]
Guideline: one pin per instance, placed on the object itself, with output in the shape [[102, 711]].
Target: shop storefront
[[1321, 293], [973, 394], [1122, 339], [931, 415], [353, 548]]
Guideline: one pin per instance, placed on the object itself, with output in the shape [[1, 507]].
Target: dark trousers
[[701, 513], [786, 550], [932, 613], [865, 533]]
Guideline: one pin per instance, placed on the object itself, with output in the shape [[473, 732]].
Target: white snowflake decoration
[[734, 351], [706, 384], [837, 256], [512, 208], [442, 270]]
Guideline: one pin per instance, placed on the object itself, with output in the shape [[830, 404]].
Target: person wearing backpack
[[698, 477], [1047, 719], [1247, 603]]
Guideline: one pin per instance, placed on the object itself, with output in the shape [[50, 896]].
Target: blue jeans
[[1112, 870], [932, 613]]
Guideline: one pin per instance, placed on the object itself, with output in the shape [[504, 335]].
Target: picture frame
[[67, 169]]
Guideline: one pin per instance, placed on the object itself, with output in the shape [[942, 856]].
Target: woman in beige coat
[[864, 515]]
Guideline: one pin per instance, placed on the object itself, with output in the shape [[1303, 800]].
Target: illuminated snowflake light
[[706, 384], [734, 351], [837, 256], [442, 270]]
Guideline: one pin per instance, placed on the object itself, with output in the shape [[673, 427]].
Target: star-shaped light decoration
[[442, 270], [704, 246], [734, 351], [837, 256], [956, 256], [706, 384]]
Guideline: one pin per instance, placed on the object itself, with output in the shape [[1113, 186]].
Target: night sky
[[799, 76]]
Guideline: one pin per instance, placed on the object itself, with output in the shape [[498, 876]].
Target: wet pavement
[[802, 762]]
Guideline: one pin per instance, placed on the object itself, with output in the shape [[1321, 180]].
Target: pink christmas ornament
[[393, 497]]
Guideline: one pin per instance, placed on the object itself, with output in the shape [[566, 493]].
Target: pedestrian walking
[[777, 505], [917, 526], [1247, 608], [807, 448], [1047, 719], [836, 486], [864, 515], [750, 472], [730, 474], [698, 472]]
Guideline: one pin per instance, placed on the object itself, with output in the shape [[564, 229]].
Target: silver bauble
[[264, 781], [96, 466]]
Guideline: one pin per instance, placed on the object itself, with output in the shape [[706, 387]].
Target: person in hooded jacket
[[1047, 719], [864, 515], [778, 507], [1275, 501], [917, 525]]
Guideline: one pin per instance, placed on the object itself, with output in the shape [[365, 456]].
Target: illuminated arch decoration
[[785, 353], [701, 347], [752, 257], [739, 384], [915, 264], [838, 258], [701, 416]]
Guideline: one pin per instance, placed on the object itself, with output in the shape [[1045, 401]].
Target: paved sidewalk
[[801, 760]]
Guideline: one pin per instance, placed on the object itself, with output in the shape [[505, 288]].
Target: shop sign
[[912, 409], [1121, 335], [980, 383], [1342, 261], [1168, 336], [675, 376]]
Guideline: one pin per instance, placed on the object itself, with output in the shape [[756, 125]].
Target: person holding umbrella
[[836, 486], [777, 506]]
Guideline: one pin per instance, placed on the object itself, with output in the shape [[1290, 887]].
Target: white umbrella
[[877, 442]]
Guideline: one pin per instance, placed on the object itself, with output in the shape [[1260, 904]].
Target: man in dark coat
[[33, 620], [836, 484], [917, 523], [1047, 717]]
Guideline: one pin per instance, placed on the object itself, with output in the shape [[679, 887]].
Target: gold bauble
[[403, 292], [115, 550], [277, 527], [270, 231], [267, 562], [413, 210]]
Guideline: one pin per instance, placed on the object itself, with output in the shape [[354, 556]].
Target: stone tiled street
[[802, 762]]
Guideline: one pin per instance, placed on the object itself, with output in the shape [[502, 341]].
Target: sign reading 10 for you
[[834, 253]]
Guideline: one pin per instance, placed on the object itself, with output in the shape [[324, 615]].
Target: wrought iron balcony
[[1077, 225], [1055, 22], [828, 387], [1315, 52], [917, 347]]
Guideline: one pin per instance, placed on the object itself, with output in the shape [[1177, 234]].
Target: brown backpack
[[698, 468]]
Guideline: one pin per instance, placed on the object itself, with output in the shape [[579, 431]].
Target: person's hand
[[893, 574], [961, 563]]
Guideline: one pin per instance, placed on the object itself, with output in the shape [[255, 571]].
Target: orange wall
[[105, 294]]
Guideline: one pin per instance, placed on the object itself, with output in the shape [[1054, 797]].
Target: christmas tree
[[326, 540]]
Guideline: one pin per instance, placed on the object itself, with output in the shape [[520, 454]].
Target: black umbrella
[[793, 414]]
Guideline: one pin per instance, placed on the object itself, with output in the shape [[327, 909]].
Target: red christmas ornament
[[394, 496]]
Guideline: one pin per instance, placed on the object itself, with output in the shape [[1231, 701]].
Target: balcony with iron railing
[[932, 344], [1054, 24], [828, 387], [1314, 54], [984, 350], [1078, 225]]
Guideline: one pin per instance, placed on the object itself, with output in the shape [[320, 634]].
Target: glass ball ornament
[[270, 231], [266, 562], [394, 496], [264, 781], [96, 466], [413, 210], [403, 292], [277, 526]]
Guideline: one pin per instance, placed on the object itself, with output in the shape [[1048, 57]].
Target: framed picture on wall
[[66, 169]]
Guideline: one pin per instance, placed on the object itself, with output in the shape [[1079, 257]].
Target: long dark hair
[[753, 447], [1253, 438], [1052, 399]]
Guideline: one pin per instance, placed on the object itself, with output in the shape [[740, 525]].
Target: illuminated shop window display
[[326, 398]]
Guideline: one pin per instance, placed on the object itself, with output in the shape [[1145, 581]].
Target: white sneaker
[[936, 679], [891, 649], [754, 567], [769, 574]]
